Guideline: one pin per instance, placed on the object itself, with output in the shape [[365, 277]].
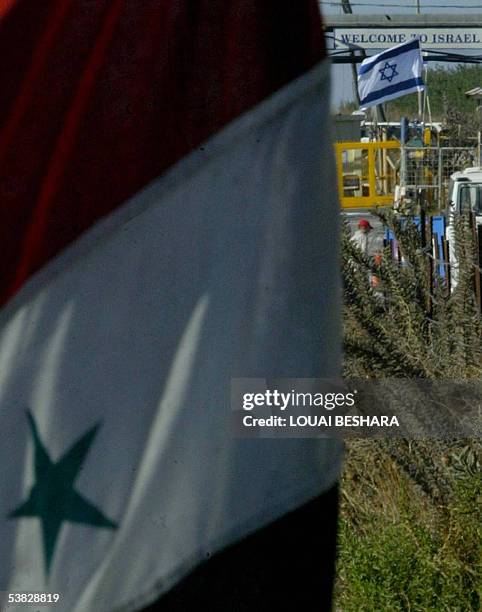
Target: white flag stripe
[[393, 73], [193, 255]]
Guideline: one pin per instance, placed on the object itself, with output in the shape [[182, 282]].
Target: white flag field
[[391, 74], [196, 243]]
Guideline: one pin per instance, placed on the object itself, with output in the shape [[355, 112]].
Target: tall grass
[[410, 526]]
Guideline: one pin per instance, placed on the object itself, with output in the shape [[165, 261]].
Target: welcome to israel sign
[[431, 38]]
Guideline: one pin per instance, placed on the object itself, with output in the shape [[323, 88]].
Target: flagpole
[[381, 110], [355, 77], [424, 98]]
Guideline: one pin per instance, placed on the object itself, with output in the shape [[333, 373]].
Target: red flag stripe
[[39, 58], [40, 219], [102, 97]]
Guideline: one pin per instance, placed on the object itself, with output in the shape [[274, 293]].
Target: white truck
[[465, 194]]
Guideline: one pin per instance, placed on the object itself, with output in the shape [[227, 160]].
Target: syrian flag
[[169, 222], [391, 74]]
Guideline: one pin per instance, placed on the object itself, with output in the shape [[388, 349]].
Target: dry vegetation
[[410, 527]]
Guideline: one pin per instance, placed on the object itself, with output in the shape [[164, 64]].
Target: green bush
[[398, 550]]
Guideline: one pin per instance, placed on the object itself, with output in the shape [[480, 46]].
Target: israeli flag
[[391, 74]]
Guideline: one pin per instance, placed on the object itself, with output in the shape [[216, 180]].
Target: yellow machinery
[[367, 173]]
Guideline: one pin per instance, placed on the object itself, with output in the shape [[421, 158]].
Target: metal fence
[[429, 168], [367, 173]]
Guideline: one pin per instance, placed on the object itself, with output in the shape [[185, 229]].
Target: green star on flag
[[53, 498]]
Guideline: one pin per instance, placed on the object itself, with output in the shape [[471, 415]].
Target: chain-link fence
[[429, 168]]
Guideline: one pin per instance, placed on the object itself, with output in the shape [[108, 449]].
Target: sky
[[342, 80]]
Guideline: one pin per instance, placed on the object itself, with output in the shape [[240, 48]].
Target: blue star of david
[[385, 72]]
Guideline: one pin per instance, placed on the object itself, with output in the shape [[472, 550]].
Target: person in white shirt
[[363, 237]]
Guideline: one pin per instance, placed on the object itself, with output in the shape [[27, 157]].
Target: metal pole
[[403, 140], [355, 78], [424, 96], [479, 143], [346, 6], [420, 106], [440, 178], [381, 112], [475, 238]]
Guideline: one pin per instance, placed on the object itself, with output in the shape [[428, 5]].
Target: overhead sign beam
[[426, 20], [430, 38], [382, 31]]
